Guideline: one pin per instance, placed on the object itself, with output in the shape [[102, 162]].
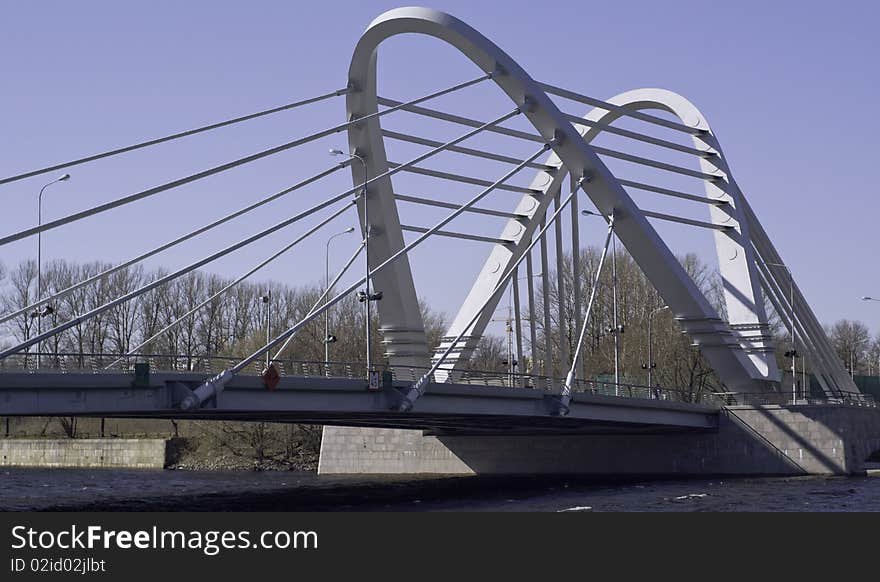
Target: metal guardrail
[[765, 398], [96, 363], [66, 362]]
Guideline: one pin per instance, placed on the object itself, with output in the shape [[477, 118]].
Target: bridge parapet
[[169, 364], [781, 399]]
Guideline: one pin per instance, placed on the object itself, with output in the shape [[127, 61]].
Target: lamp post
[[267, 299], [364, 296], [651, 364], [511, 363], [327, 340], [530, 318], [616, 328], [48, 309], [508, 323], [509, 331], [615, 324], [793, 352], [866, 298]]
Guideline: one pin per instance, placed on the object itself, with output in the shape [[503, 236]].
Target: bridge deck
[[458, 408]]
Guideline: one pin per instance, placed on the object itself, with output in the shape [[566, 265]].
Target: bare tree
[[678, 364], [122, 320], [18, 296], [851, 341]]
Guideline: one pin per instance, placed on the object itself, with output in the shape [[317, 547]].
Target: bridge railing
[[768, 398], [71, 362]]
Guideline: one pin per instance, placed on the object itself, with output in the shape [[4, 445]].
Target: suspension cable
[[174, 136], [418, 388], [232, 284], [569, 378], [397, 255], [162, 280], [223, 167], [216, 383], [168, 245], [360, 187], [619, 109]]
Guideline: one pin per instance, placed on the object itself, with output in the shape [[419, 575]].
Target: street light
[[866, 298], [793, 353], [650, 366], [267, 298], [364, 296], [511, 362], [509, 299], [327, 340], [616, 328], [48, 310]]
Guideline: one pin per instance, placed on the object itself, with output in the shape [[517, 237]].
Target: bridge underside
[[445, 408]]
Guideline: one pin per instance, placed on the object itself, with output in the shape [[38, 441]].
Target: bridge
[[334, 393], [423, 408]]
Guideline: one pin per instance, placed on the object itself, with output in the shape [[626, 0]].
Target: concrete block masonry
[[84, 453], [750, 440]]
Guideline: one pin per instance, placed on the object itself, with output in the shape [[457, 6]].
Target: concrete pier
[[750, 440], [84, 453]]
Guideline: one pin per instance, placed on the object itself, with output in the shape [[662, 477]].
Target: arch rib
[[691, 308]]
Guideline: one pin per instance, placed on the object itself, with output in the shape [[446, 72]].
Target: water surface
[[144, 490]]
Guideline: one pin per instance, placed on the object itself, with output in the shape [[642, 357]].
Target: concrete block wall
[[85, 453], [821, 439], [768, 440], [385, 451]]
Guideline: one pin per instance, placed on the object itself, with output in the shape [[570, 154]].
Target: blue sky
[[789, 89]]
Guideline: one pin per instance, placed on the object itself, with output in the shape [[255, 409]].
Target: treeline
[[855, 346], [677, 364], [234, 324]]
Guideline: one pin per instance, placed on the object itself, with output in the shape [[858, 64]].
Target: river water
[[141, 490]]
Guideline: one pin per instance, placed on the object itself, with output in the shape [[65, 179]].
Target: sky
[[788, 87]]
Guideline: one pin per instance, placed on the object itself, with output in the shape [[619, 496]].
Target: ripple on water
[[25, 489]]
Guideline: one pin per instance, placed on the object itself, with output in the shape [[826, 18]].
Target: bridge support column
[[750, 440]]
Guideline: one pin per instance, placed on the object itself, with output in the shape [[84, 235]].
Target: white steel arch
[[744, 301], [746, 315], [744, 250], [741, 354]]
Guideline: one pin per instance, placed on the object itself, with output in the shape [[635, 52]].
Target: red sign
[[271, 377]]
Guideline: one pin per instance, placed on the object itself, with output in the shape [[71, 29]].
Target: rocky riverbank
[[205, 454]]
